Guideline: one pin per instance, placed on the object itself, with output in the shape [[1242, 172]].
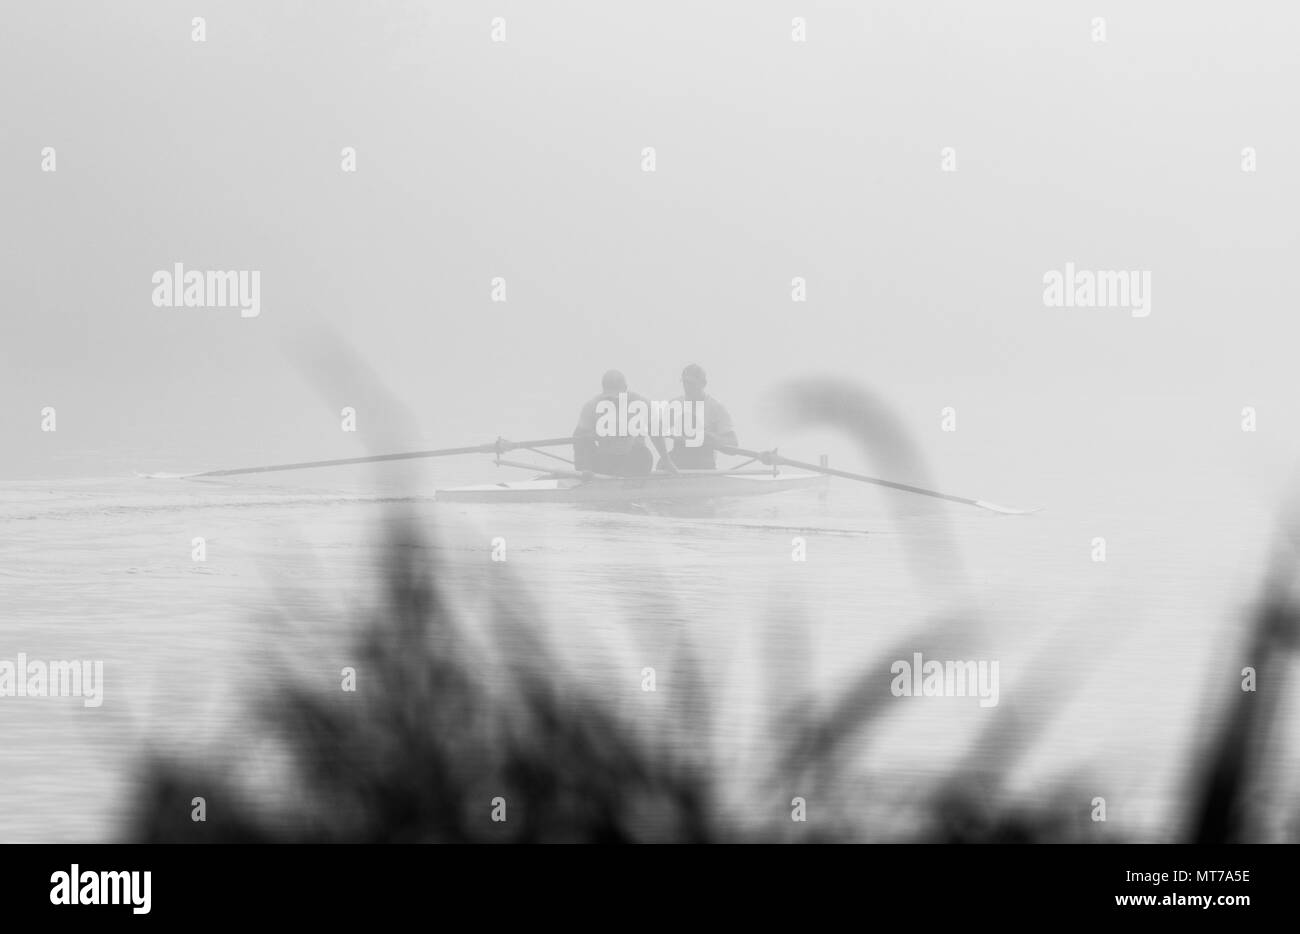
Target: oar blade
[[1006, 510]]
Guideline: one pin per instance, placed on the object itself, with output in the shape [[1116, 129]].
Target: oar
[[771, 457], [570, 474], [496, 447]]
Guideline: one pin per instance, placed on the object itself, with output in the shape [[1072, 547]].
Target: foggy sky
[[775, 159]]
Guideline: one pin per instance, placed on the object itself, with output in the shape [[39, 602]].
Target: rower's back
[[614, 454]]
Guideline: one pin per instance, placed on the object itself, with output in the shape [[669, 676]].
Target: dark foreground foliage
[[443, 724]]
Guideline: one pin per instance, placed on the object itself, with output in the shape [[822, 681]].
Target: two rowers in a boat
[[607, 440]]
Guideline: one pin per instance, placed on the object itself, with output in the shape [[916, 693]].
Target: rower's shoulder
[[591, 406]]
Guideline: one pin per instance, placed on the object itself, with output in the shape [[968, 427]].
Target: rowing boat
[[572, 486], [686, 486]]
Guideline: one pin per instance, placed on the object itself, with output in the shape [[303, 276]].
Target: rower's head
[[694, 381], [613, 382]]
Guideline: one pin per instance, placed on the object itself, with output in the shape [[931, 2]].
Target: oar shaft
[[769, 457], [498, 446]]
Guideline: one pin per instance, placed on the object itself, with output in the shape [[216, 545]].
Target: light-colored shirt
[[717, 422]]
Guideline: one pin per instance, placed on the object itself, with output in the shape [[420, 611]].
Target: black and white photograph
[[766, 422]]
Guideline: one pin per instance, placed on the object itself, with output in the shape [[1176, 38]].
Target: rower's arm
[[665, 458], [720, 432], [584, 438], [586, 427]]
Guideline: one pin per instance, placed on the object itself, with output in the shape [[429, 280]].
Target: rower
[[617, 455], [718, 430]]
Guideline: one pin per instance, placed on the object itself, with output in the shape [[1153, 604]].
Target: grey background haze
[[775, 159]]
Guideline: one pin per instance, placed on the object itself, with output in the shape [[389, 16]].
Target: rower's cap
[[613, 381], [694, 371]]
